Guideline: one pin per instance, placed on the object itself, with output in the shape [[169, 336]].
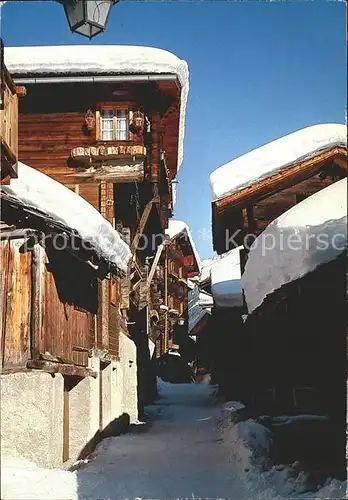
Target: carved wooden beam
[[21, 91]]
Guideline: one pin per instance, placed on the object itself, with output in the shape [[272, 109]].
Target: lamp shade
[[88, 17]]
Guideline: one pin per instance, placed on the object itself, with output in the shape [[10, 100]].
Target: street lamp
[[87, 17]]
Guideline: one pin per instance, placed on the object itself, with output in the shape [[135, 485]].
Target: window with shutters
[[113, 123]]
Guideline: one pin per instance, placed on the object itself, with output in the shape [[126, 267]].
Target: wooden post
[[66, 418], [4, 278], [252, 225], [37, 293], [106, 210], [154, 264], [166, 298], [142, 224]]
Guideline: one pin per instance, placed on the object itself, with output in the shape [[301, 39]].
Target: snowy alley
[[188, 449]]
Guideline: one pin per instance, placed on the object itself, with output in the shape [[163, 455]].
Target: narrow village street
[[187, 449], [181, 454]]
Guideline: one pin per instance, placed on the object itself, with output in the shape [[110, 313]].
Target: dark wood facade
[[169, 295], [50, 301], [128, 181]]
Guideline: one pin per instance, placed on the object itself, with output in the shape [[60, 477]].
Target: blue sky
[[257, 71]]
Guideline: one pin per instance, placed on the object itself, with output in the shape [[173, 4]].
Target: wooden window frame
[[114, 106]]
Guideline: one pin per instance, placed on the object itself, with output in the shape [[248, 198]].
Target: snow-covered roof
[[101, 60], [205, 300], [311, 233], [195, 310], [40, 192], [178, 227], [226, 285], [276, 156], [206, 269]]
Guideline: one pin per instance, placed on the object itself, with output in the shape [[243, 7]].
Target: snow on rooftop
[[226, 283], [37, 190], [195, 310], [178, 227], [66, 60], [206, 269], [276, 156], [311, 233]]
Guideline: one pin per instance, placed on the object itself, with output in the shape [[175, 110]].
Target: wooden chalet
[[293, 346], [248, 194], [254, 189], [176, 262], [53, 264], [108, 122]]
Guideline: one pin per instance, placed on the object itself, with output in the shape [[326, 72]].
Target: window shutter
[[130, 119], [97, 125], [115, 127]]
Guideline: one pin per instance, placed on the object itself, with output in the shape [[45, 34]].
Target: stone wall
[[32, 408], [128, 376], [32, 417]]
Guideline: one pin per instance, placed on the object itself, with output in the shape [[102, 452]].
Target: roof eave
[[269, 185]]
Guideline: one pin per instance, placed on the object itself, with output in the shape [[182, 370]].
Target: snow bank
[[275, 156], [226, 285], [311, 233], [21, 480], [38, 191], [250, 444], [178, 227], [101, 60]]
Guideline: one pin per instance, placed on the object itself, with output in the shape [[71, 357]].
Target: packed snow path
[[188, 451], [182, 454]]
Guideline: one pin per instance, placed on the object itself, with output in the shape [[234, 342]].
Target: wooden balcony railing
[[8, 122]]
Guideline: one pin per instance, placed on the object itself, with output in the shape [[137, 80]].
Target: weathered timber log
[[111, 173], [37, 294], [64, 369]]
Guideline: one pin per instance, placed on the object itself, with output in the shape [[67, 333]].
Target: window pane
[[121, 113], [107, 135], [121, 124], [107, 113], [107, 124]]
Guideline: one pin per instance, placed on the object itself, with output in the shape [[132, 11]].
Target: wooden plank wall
[[46, 139], [15, 292], [67, 330], [265, 211]]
